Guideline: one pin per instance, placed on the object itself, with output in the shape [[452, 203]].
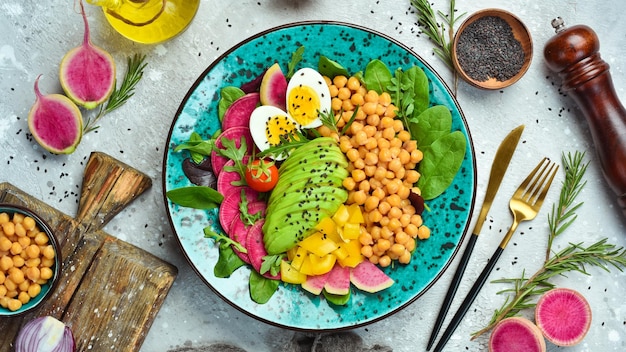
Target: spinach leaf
[[338, 300], [432, 124], [416, 79], [442, 160], [227, 262], [228, 95], [197, 197], [197, 147], [261, 288], [377, 76], [329, 68]]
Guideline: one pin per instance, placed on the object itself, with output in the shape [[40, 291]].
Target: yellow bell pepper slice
[[318, 244], [321, 265], [355, 214], [290, 275], [298, 259], [341, 216]]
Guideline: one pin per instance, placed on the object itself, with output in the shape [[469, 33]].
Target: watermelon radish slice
[[226, 178], [233, 133], [315, 284], [369, 278], [239, 232], [338, 280], [254, 207], [238, 113], [563, 315], [516, 334], [273, 89], [256, 248], [229, 209]]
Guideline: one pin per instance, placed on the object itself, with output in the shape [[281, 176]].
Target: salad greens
[[431, 126]]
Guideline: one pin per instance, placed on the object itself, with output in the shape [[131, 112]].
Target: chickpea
[[423, 232], [384, 261], [14, 305], [340, 81]]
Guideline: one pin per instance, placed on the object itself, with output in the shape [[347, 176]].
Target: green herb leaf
[[228, 261], [271, 264], [228, 95], [223, 239], [377, 76], [197, 197], [432, 124], [338, 300], [247, 218], [331, 69], [197, 147], [261, 288], [234, 153], [441, 162], [293, 140], [296, 57]]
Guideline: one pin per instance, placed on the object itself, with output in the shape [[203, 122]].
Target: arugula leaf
[[261, 288], [197, 197], [223, 239], [296, 57], [432, 124], [377, 76], [329, 68], [235, 153], [271, 263], [228, 95], [441, 162], [287, 143], [246, 217]]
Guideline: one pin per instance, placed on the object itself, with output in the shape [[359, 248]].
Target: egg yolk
[[303, 104], [278, 126]]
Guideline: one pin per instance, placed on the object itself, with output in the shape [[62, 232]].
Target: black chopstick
[[454, 285], [467, 302]]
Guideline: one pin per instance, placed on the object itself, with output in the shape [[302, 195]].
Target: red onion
[[45, 334]]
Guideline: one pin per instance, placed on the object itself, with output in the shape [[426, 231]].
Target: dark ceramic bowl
[[47, 288], [492, 65]]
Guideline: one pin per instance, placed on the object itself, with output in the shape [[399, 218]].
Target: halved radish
[[516, 334], [238, 113], [563, 315]]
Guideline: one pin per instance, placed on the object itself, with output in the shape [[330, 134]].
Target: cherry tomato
[[262, 175]]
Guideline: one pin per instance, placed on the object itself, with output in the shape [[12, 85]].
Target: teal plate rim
[[291, 307]]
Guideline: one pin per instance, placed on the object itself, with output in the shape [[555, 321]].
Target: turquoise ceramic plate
[[292, 307]]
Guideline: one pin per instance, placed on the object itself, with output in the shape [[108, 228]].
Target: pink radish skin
[[338, 281], [315, 284], [234, 133], [238, 113], [369, 278], [87, 72], [256, 248], [229, 208], [55, 122], [564, 316], [516, 334]]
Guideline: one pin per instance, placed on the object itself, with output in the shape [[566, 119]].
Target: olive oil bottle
[[148, 21]]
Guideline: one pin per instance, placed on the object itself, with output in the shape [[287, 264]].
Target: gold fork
[[525, 204]]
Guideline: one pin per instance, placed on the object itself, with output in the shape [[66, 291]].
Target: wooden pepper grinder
[[573, 53]]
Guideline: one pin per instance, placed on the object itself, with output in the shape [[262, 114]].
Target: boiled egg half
[[307, 95]]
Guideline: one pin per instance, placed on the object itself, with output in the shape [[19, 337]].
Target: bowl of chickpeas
[[30, 263]]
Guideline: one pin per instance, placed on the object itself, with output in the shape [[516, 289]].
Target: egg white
[[311, 83]]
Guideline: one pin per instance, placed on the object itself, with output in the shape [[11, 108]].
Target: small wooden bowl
[[521, 34], [46, 289]]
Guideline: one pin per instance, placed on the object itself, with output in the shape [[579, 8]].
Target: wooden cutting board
[[109, 290]]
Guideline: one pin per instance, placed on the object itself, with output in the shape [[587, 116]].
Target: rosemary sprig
[[442, 34], [574, 257], [121, 94]]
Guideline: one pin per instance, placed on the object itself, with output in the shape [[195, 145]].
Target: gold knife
[[498, 169]]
